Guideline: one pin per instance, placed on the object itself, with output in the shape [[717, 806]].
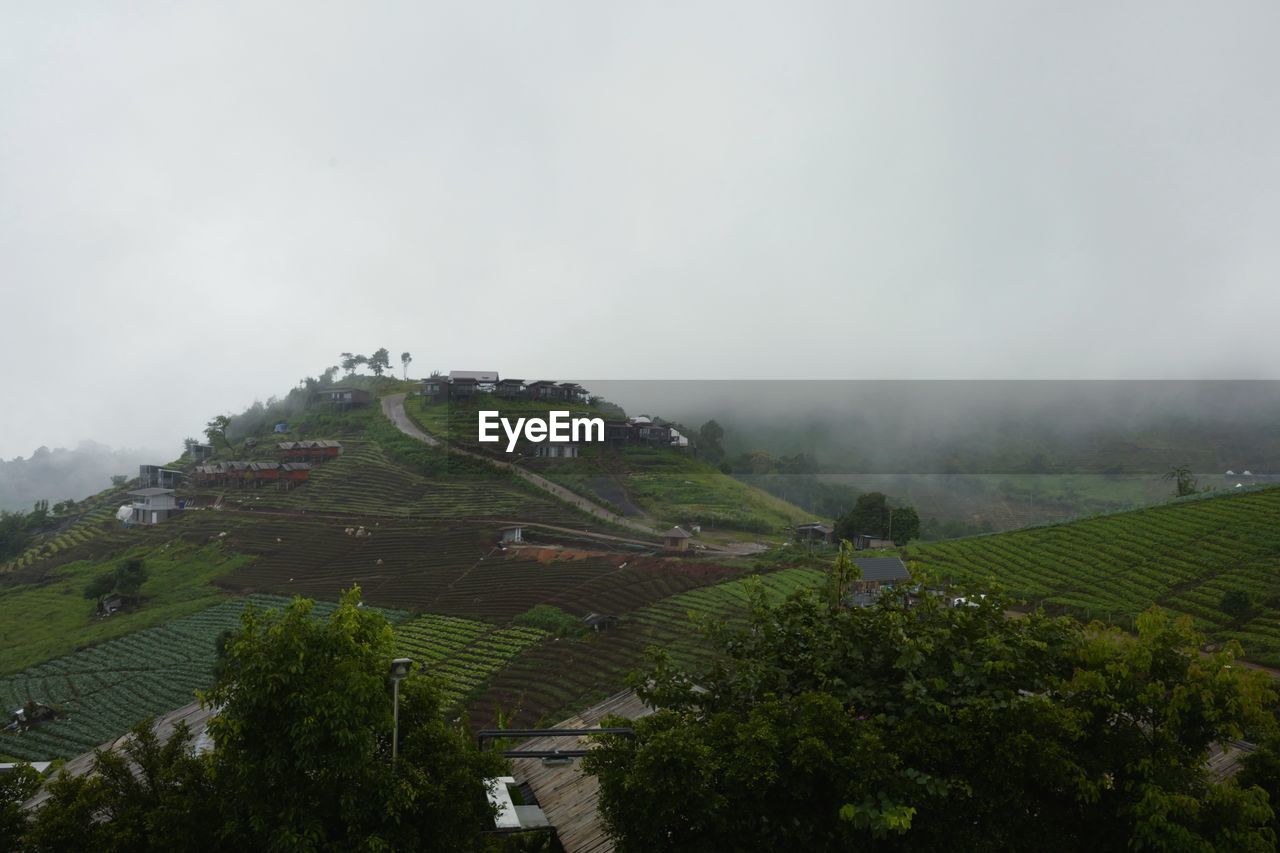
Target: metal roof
[[150, 493], [478, 375], [676, 533], [882, 568]]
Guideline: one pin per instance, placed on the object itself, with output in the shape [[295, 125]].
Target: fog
[[199, 205]]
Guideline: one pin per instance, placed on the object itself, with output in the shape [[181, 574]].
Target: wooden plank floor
[[568, 796]]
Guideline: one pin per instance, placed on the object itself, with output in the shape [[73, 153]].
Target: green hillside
[[427, 550], [663, 485], [1184, 556]]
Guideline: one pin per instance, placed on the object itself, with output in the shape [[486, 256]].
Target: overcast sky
[[202, 203]]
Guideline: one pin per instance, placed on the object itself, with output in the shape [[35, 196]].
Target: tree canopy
[[301, 757], [911, 725]]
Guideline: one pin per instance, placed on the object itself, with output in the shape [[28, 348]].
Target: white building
[[152, 506]]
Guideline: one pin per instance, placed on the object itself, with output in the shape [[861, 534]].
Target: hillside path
[[393, 408]]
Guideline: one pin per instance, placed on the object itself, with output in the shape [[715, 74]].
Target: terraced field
[[456, 569], [105, 689], [1184, 556], [559, 675], [461, 653], [366, 481]]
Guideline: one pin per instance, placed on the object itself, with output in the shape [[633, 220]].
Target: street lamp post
[[399, 671]]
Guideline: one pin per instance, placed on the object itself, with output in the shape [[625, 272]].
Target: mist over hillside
[[59, 474], [981, 427]]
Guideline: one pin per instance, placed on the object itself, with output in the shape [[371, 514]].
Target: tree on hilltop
[[380, 361], [1184, 482], [405, 358], [216, 430]]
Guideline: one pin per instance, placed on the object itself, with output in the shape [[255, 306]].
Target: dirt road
[[393, 408]]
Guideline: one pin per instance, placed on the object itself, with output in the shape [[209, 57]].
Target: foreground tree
[[301, 758], [304, 741], [931, 728], [16, 787], [151, 796]]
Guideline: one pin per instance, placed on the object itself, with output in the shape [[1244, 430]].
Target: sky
[[202, 203]]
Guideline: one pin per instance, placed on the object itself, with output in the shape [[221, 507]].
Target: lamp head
[[400, 668]]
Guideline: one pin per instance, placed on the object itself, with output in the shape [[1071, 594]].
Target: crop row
[[105, 689]]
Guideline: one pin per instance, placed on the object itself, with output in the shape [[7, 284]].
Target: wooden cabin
[[675, 539]]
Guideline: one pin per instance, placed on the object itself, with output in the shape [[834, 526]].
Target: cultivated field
[[1184, 556]]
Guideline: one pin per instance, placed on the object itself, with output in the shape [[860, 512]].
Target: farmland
[[461, 654], [589, 668], [105, 689], [1183, 556]]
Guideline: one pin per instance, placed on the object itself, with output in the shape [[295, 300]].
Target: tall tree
[[216, 430], [906, 525], [869, 517], [380, 361], [405, 358], [710, 436]]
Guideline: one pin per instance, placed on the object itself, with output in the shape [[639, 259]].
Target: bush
[[551, 619]]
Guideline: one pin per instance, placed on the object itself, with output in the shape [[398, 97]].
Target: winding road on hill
[[393, 408]]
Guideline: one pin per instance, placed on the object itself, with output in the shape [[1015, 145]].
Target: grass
[[52, 618]]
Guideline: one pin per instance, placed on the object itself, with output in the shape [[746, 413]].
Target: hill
[[416, 526], [1185, 556], [660, 485], [61, 474]]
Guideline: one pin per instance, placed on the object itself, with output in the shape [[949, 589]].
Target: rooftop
[[150, 493], [882, 568], [676, 533]]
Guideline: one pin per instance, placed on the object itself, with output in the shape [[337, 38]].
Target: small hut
[[675, 539]]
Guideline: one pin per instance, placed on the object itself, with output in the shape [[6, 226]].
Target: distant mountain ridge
[[58, 474]]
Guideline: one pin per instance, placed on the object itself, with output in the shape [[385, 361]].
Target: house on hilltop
[[344, 398]]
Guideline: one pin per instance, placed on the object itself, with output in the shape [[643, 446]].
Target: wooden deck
[[567, 796]]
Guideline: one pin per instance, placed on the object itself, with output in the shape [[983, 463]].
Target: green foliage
[[1183, 480], [1237, 603], [405, 359], [301, 757], [869, 517], [14, 534], [303, 741], [549, 618], [167, 804], [929, 728], [380, 361], [126, 579], [16, 787], [710, 436], [216, 430], [119, 480]]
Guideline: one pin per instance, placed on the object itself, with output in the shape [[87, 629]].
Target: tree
[[1237, 603], [911, 725], [380, 361], [1183, 480], [906, 525], [14, 534], [16, 787], [216, 430], [151, 796], [405, 358], [303, 740], [126, 580], [348, 362], [869, 517], [119, 480], [710, 435], [842, 575]]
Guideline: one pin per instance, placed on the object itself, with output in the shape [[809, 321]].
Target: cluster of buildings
[[465, 384], [291, 466]]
